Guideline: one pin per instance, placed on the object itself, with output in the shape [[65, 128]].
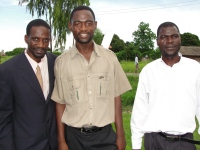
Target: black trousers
[[100, 140], [153, 141]]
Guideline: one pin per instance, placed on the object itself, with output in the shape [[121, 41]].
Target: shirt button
[[89, 92], [90, 123], [90, 107]]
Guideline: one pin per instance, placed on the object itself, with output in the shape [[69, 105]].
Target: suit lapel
[[29, 75]]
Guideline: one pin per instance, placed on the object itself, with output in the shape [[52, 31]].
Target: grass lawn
[[4, 58]]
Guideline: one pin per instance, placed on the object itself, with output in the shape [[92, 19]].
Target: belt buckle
[[82, 130], [172, 138]]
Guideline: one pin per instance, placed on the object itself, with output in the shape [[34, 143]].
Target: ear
[[70, 26], [95, 23], [157, 41], [26, 39]]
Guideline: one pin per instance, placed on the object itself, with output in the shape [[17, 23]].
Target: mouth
[[40, 51], [170, 47], [83, 35]]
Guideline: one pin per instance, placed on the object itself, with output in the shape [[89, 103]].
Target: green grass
[[4, 58], [129, 66]]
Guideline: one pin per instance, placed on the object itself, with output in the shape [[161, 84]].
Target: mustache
[[43, 49]]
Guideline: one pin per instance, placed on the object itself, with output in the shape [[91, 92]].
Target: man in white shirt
[[167, 98], [136, 62]]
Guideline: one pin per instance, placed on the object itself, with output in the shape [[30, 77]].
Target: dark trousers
[[100, 140], [153, 141]]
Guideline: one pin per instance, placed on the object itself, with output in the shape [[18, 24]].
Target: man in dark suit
[[27, 116]]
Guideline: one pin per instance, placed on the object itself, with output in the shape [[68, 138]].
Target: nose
[[83, 26], [41, 44], [169, 39]]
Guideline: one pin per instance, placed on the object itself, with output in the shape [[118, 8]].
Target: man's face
[[38, 42], [83, 26], [169, 41]]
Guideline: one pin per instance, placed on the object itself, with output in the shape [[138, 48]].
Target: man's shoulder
[[105, 50], [11, 64], [51, 55]]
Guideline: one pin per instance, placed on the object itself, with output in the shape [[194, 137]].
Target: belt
[[178, 138], [90, 129]]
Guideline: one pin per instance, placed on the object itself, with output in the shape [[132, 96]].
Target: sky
[[120, 17]]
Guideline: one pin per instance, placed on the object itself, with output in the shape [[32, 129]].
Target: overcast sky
[[121, 17]]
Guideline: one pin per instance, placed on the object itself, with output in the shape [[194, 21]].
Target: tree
[[143, 38], [189, 39], [131, 50], [57, 13], [98, 36], [15, 51], [117, 44]]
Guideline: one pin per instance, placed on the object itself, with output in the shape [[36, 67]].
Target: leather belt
[[178, 138], [90, 129]]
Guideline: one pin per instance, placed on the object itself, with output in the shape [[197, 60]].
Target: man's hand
[[62, 146], [121, 142]]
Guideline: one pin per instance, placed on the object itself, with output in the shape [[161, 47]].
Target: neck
[[170, 61], [85, 49]]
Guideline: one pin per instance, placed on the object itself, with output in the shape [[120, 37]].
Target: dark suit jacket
[[27, 121]]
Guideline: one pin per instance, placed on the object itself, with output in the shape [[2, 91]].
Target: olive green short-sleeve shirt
[[88, 88]]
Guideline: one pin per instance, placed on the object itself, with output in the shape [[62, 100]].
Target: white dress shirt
[[167, 99], [44, 70]]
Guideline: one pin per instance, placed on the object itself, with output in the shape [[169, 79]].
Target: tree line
[[142, 44], [57, 14]]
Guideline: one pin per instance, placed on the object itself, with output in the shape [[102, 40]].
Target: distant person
[[167, 98], [88, 85], [27, 113], [136, 62]]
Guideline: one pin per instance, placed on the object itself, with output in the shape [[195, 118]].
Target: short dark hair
[[81, 7], [36, 22], [167, 24]]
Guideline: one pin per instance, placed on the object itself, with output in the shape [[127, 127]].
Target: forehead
[[168, 30], [39, 31], [82, 15]]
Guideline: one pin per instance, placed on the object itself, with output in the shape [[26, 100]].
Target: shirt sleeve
[[57, 94], [139, 112], [121, 81]]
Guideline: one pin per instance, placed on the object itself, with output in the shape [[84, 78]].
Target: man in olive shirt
[[88, 85]]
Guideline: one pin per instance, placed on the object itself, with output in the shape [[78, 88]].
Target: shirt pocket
[[75, 92], [102, 87]]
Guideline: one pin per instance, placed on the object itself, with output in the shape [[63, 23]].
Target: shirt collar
[[161, 60], [33, 62], [76, 52]]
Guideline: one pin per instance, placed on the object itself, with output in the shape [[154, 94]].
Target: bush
[[15, 51], [57, 53]]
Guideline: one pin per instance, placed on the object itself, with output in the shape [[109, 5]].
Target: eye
[[175, 36], [88, 23], [46, 40], [162, 37], [35, 39], [77, 24]]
